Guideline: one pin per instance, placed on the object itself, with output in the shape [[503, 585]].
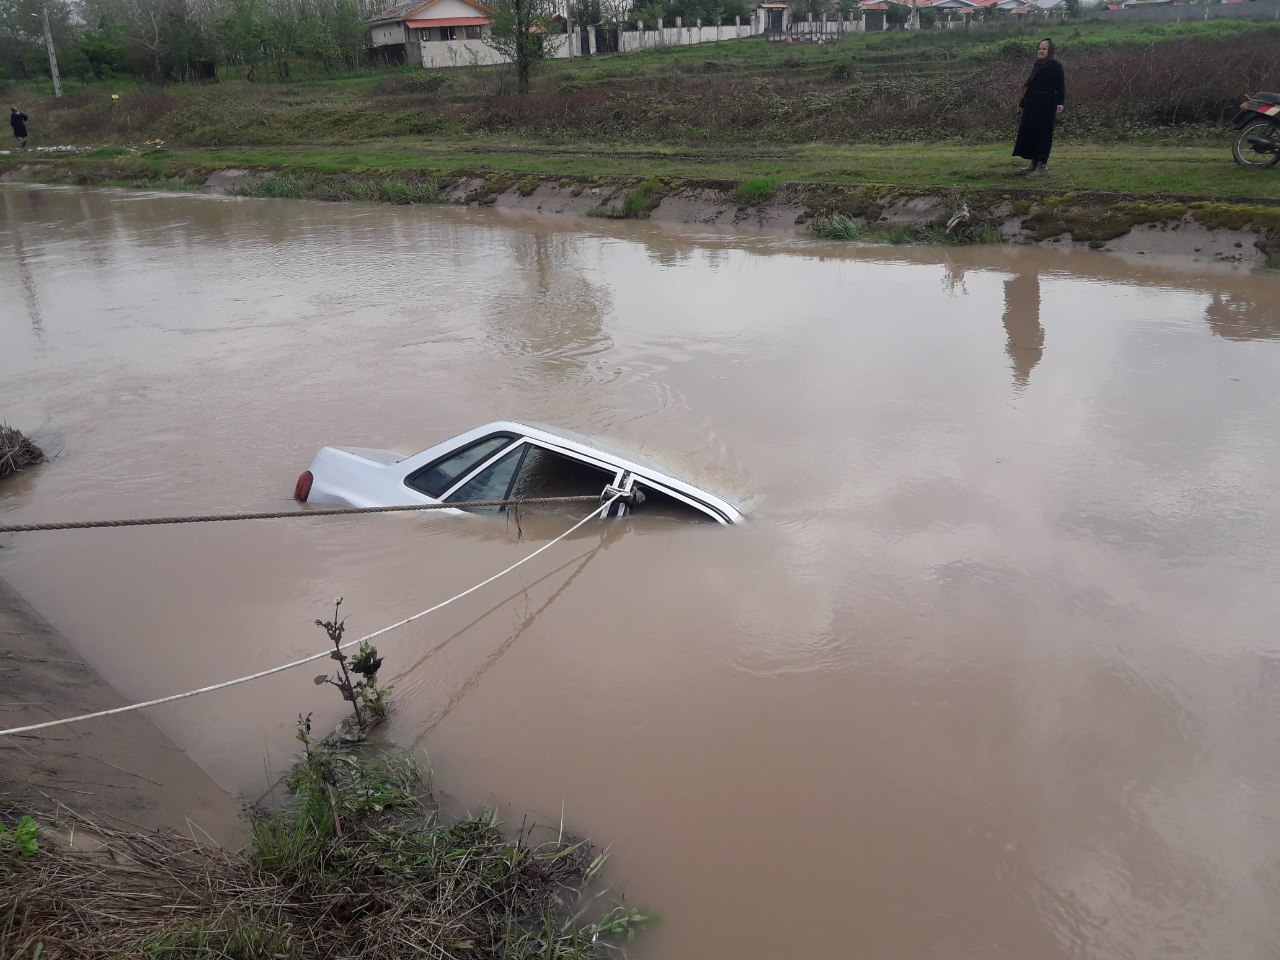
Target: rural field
[[1148, 111]]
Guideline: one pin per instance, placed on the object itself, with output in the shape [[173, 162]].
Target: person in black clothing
[[19, 123], [1043, 94]]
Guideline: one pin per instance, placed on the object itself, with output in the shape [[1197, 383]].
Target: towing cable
[[605, 504], [289, 514]]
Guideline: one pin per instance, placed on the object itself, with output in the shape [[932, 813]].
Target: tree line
[[164, 41], [187, 40], [180, 40]]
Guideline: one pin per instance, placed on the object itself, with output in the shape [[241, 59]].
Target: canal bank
[[120, 769], [1200, 228]]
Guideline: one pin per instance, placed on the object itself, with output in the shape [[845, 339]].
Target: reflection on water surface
[[991, 670]]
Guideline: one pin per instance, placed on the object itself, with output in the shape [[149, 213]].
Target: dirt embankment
[[1199, 228], [1194, 228], [120, 768]]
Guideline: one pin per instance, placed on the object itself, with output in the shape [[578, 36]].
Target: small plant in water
[[368, 700]]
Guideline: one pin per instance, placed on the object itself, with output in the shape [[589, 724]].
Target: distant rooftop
[[399, 11]]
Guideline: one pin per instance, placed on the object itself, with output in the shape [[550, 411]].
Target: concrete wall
[[1181, 12], [389, 33], [471, 53], [630, 41], [461, 53], [456, 53], [833, 29]]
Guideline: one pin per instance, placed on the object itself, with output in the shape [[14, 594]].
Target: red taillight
[[303, 488]]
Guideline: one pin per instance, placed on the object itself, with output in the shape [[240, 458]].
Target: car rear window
[[435, 478]]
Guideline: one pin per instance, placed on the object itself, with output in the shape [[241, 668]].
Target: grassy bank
[[357, 863], [1189, 173], [1158, 84], [928, 113]]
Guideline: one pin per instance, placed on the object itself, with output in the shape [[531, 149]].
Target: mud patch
[[223, 181]]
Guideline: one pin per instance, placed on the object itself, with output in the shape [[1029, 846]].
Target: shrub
[[417, 83]]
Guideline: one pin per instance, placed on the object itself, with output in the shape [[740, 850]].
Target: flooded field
[[991, 670]]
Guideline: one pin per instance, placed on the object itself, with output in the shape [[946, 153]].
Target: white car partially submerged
[[503, 461]]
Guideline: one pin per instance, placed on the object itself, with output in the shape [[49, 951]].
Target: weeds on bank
[[758, 191], [637, 205], [355, 187], [840, 227], [357, 862]]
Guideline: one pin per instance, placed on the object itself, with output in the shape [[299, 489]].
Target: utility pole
[[53, 59]]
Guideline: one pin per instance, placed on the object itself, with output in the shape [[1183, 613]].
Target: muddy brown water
[[991, 670]]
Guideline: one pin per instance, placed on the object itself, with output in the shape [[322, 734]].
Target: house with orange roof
[[453, 33], [409, 25]]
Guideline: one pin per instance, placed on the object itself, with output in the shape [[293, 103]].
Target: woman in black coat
[[19, 123], [1042, 96]]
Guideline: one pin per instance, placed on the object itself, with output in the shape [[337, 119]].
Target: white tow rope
[[603, 508]]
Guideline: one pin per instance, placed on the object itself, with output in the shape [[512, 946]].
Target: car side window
[[492, 482], [533, 471], [434, 479], [546, 473], [660, 503]]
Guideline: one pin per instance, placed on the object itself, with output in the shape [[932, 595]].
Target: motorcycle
[[1257, 144]]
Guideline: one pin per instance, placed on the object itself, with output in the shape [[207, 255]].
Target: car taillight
[[303, 488]]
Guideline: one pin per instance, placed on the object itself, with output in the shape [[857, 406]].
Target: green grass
[[357, 862], [639, 202], [367, 188], [411, 173], [889, 52], [839, 227], [757, 191], [1190, 171]]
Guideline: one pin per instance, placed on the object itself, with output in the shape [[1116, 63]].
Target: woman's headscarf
[[1039, 64]]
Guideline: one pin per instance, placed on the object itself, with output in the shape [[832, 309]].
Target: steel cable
[[287, 514], [603, 508]]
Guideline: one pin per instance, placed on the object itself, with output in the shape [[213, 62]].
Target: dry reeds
[[16, 451], [359, 865]]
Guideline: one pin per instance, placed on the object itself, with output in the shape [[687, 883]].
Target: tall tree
[[169, 39], [242, 34], [521, 32], [22, 47]]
